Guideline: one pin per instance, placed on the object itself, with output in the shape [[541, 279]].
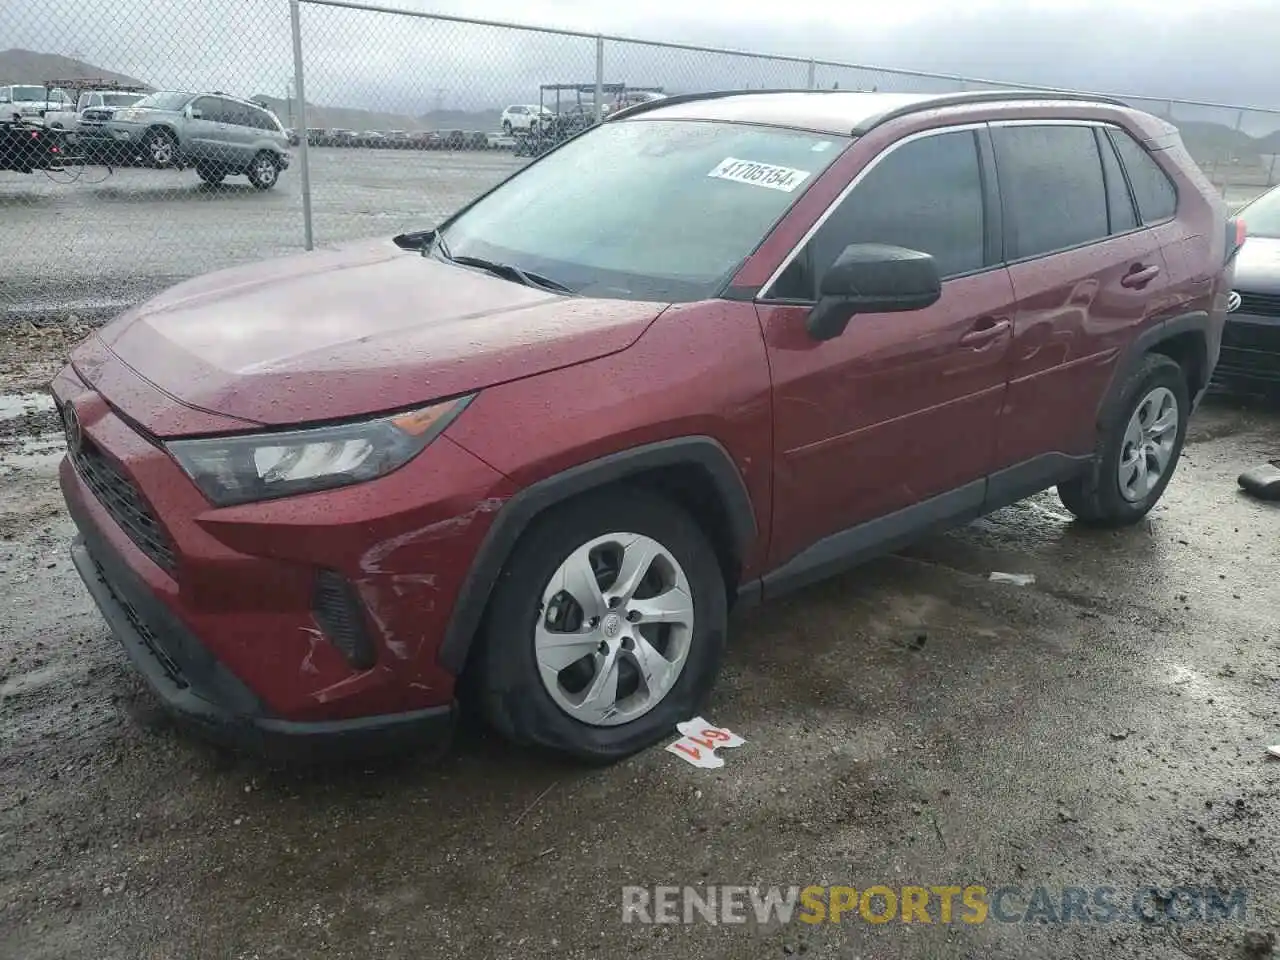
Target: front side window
[[210, 109], [649, 209], [924, 195], [1052, 187]]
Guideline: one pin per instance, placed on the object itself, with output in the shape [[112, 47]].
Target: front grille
[[96, 116], [123, 501], [1260, 304], [1252, 363], [338, 611]]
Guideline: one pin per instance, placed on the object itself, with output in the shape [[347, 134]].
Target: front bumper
[[1250, 357], [205, 697]]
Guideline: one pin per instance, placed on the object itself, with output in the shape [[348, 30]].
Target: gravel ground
[[908, 723]]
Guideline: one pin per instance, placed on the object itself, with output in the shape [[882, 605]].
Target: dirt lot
[[909, 723]]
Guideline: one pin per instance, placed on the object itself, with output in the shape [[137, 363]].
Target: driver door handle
[[984, 331]]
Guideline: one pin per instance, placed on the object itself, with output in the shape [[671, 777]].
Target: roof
[[829, 111]]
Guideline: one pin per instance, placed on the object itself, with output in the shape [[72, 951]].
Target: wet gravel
[[911, 722]]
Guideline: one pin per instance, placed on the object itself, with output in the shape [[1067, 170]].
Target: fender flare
[[1195, 322], [517, 513]]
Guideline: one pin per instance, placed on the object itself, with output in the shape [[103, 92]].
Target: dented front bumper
[[230, 613]]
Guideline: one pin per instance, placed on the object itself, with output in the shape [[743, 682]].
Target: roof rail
[[967, 97], [926, 101]]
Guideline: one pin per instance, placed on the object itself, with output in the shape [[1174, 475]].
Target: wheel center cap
[[611, 626]]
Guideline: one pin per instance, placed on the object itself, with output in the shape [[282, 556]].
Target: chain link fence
[[407, 116]]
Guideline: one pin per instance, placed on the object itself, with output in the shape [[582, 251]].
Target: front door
[[899, 411]]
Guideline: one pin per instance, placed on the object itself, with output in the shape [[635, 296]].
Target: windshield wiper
[[507, 271]]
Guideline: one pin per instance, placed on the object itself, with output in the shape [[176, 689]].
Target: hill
[[27, 66]]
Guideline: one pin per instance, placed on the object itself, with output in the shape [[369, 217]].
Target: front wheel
[[605, 629], [264, 172], [1137, 449], [160, 148]]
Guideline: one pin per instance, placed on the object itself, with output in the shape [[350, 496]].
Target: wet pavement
[[911, 722], [94, 239]]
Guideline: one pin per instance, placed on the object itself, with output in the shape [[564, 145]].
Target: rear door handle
[[984, 331], [1140, 276]]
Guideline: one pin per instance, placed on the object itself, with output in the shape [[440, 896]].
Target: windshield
[[1262, 217], [29, 93], [120, 99], [164, 101], [662, 210]]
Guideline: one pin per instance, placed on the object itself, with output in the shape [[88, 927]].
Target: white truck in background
[[100, 102]]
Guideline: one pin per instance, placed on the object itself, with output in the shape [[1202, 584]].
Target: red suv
[[711, 350]]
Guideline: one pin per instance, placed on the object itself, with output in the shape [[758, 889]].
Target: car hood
[[1258, 266], [355, 330]]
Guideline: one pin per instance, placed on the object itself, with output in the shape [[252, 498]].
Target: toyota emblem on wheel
[[71, 423], [1233, 302]]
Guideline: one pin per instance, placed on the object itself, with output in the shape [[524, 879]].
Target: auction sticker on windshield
[[768, 175]]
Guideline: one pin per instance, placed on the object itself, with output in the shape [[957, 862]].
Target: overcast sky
[[1224, 51]]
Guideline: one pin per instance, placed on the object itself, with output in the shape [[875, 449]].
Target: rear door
[[1086, 273], [901, 407], [204, 129]]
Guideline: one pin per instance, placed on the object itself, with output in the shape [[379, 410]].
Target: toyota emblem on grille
[[71, 423], [1233, 302]]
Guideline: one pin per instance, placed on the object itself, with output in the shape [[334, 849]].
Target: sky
[[1222, 52]]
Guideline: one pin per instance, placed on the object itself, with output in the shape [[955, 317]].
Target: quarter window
[[1154, 191], [925, 195], [1051, 183]]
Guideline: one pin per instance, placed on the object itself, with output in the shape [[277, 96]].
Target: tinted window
[[1119, 202], [1156, 196], [210, 109], [263, 120], [1051, 182], [236, 113], [925, 195]]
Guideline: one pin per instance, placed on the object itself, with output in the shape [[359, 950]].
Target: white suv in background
[[523, 116]]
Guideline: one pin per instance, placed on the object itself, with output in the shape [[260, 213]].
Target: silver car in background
[[219, 135]]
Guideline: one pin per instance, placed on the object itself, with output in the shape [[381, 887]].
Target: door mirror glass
[[873, 278]]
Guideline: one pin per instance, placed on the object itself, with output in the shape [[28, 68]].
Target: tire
[[514, 693], [211, 175], [160, 149], [263, 172], [1100, 497]]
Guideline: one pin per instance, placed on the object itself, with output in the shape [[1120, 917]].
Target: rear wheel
[[605, 629], [264, 171], [1138, 449]]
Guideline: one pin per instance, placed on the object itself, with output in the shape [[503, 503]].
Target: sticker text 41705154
[[757, 174]]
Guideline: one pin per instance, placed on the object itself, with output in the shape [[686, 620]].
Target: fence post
[[813, 75], [295, 24], [599, 78]]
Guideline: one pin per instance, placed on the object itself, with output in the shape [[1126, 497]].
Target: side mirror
[[195, 114], [873, 278]]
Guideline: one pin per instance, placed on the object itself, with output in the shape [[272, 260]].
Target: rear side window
[[1119, 202], [925, 195], [1152, 188], [1052, 186]]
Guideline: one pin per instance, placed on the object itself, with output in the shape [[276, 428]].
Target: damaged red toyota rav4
[[715, 348]]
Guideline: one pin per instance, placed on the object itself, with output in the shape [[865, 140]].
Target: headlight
[[261, 466], [128, 116]]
